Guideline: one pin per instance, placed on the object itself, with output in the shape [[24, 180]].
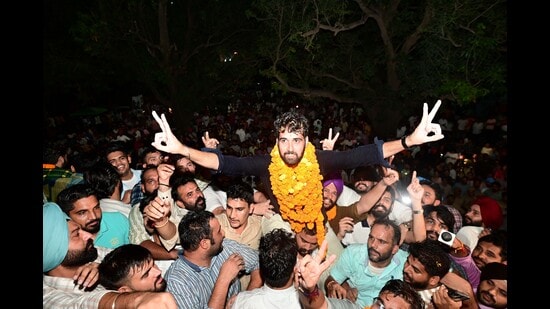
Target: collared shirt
[[110, 205], [192, 285], [256, 227], [114, 230], [353, 265]]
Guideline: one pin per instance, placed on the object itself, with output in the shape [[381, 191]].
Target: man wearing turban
[[69, 252]]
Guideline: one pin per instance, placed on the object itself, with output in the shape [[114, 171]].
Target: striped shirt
[[192, 285], [61, 293]]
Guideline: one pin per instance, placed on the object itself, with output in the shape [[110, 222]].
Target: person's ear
[[124, 289]]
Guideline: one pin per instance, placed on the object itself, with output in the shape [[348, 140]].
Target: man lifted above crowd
[[293, 171]]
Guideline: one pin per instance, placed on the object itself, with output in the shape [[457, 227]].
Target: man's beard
[[416, 285], [161, 287], [79, 258], [361, 188], [218, 250], [379, 211], [200, 204], [328, 201], [304, 252], [380, 257], [291, 161], [94, 229], [468, 222], [432, 235]]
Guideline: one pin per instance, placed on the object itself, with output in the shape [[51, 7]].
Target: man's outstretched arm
[[166, 141]]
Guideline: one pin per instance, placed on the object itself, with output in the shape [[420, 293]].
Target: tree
[[174, 48], [386, 55]]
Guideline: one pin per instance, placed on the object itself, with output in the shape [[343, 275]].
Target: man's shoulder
[[113, 216]]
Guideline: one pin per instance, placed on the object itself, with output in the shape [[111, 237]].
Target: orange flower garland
[[299, 191]]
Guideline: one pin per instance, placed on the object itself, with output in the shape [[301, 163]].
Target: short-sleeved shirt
[[192, 285], [114, 231], [353, 265], [266, 297]]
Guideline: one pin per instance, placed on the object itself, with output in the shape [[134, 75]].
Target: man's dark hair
[[389, 223], [498, 238], [116, 146], [68, 196], [147, 167], [292, 122], [430, 254], [179, 179], [117, 264], [278, 250], [369, 172], [194, 227], [241, 190], [403, 289], [104, 178], [442, 213], [436, 187], [51, 154]]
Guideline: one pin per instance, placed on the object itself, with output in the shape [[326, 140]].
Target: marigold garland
[[299, 191]]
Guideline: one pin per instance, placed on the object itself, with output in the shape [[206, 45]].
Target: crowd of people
[[139, 214]]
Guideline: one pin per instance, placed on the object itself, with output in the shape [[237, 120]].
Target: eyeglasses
[[377, 303]]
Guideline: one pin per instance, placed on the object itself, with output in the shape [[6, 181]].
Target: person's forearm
[[314, 299], [255, 280], [202, 158], [369, 199], [166, 229], [418, 224], [219, 294], [393, 147]]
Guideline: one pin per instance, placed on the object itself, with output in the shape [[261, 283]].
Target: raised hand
[[309, 269], [157, 210], [415, 189], [328, 143], [231, 267], [345, 225], [427, 131], [391, 176], [166, 140], [209, 142]]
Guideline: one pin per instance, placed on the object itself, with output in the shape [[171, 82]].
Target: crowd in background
[[472, 159]]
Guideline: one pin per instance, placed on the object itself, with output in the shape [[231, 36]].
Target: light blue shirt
[[353, 265], [114, 231]]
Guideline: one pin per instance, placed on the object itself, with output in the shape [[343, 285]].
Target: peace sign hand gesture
[[427, 131], [328, 143]]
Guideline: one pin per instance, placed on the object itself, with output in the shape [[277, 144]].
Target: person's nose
[[155, 271]]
